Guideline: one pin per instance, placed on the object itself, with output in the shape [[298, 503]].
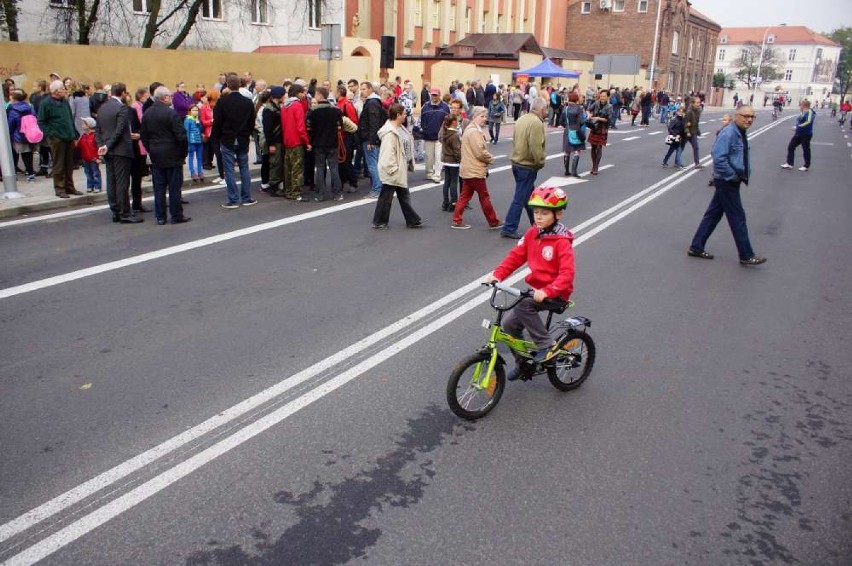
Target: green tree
[[843, 36], [749, 61], [719, 80]]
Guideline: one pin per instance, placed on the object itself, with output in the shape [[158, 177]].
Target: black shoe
[[512, 235], [63, 195], [116, 218], [76, 193], [181, 220], [182, 201], [753, 260], [141, 209], [380, 226], [161, 222], [131, 220], [418, 224], [699, 253]]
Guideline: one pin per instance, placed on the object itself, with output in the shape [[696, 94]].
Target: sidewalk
[[41, 197]]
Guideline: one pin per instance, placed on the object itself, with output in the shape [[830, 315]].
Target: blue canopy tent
[[548, 68]]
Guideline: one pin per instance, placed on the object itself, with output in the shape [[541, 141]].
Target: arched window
[[675, 39]]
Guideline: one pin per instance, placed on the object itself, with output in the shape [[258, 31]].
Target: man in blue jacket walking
[[730, 168], [803, 132], [431, 119]]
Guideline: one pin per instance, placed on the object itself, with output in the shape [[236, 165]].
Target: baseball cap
[[435, 91]]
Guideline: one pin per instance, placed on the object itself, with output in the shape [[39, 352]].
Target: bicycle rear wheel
[[470, 394], [574, 363]]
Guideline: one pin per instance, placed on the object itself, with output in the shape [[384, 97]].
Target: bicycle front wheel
[[574, 363], [471, 394]]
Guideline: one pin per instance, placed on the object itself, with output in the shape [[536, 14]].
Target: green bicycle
[[477, 382]]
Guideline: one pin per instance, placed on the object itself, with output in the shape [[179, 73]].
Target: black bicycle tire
[[458, 371], [590, 356]]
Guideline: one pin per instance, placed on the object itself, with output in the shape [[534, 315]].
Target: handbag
[[672, 139]]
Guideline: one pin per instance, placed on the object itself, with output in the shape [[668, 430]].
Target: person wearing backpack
[[19, 113], [57, 124]]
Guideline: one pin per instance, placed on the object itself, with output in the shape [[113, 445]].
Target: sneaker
[[380, 226], [231, 205], [219, 181], [800, 169], [786, 166], [372, 196], [31, 179], [511, 235], [460, 226], [338, 197], [250, 202], [664, 165], [753, 260], [496, 226], [418, 224]]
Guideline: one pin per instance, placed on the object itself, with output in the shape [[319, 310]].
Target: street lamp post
[[762, 49]]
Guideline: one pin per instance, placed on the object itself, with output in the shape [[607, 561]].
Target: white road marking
[[631, 138], [103, 514], [562, 181], [822, 143], [655, 133]]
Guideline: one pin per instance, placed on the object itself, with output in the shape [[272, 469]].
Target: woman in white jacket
[[396, 158]]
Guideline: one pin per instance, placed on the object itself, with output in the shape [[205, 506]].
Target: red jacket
[[293, 124], [348, 109], [550, 258], [206, 117], [87, 147]]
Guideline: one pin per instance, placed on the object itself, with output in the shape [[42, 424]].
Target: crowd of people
[[314, 140]]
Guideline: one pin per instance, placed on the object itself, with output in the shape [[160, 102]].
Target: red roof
[[790, 35]]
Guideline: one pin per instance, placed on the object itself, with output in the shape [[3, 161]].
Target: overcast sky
[[822, 16]]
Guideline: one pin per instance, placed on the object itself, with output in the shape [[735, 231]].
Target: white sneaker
[[786, 166], [219, 181], [803, 168]]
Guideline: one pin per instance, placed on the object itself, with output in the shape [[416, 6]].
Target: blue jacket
[[805, 123], [729, 155], [193, 130], [14, 112], [432, 118]]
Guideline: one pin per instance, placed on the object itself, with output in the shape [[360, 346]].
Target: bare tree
[[750, 60], [9, 18]]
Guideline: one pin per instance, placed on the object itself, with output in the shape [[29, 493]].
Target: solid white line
[[125, 502], [848, 144], [655, 133], [631, 138]]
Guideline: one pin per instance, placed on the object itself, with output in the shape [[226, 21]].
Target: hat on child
[[91, 122]]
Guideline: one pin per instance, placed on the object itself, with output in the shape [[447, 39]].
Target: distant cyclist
[[547, 249]]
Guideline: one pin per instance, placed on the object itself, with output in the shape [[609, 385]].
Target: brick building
[[425, 27], [686, 45]]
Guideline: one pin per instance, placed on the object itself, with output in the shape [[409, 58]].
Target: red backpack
[[30, 129]]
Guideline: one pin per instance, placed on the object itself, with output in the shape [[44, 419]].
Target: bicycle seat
[[562, 309]]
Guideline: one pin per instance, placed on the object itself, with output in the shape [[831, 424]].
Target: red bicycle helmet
[[548, 197]]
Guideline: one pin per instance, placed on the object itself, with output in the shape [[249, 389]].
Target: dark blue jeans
[[229, 155], [371, 157], [726, 200], [524, 181], [167, 179]]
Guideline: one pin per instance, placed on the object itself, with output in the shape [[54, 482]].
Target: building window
[[260, 11], [436, 14], [698, 52], [642, 7], [314, 13], [585, 7], [618, 6], [67, 4], [482, 22], [211, 9], [139, 6], [721, 56], [792, 56], [418, 12], [691, 46], [675, 39], [723, 39], [453, 20], [467, 22], [788, 75]]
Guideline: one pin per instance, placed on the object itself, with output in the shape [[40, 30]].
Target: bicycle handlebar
[[497, 286]]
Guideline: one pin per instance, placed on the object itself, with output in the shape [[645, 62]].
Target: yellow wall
[[27, 62]]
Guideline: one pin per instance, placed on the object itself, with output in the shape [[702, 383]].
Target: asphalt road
[[266, 385]]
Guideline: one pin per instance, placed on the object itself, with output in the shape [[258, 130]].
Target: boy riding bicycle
[[547, 248]]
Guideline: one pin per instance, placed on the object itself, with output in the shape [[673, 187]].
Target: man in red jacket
[[547, 248], [295, 142]]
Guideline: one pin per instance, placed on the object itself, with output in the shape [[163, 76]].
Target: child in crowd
[[450, 157], [547, 249], [194, 131], [88, 149]]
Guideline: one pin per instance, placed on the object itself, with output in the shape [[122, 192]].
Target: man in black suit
[[116, 148], [165, 139]]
